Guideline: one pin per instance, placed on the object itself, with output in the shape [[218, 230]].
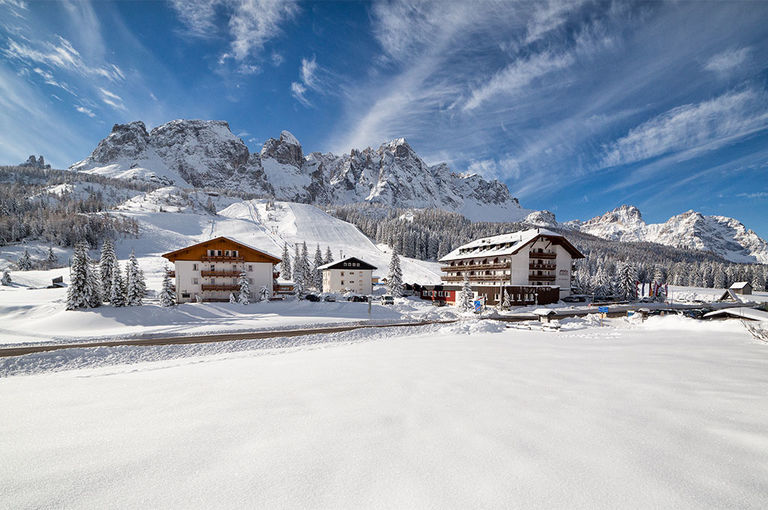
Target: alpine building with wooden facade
[[210, 271], [348, 275], [533, 266]]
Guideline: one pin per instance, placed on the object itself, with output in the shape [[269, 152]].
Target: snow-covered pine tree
[[134, 282], [466, 296], [328, 255], [395, 276], [263, 294], [658, 275], [232, 298], [79, 293], [25, 261], [210, 206], [94, 283], [506, 303], [627, 280], [51, 260], [167, 295], [6, 280], [758, 280], [245, 289], [299, 280], [305, 264], [317, 274], [106, 267], [285, 265], [117, 292]]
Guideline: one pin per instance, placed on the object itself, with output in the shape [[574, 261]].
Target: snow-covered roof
[[506, 244], [740, 285], [344, 264], [743, 312], [170, 255]]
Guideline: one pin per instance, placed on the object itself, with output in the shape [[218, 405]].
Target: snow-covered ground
[[669, 413]]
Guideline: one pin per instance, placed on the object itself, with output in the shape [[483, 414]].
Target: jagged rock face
[[541, 219], [31, 162], [723, 236], [201, 154]]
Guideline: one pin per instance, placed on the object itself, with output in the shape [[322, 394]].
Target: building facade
[[533, 266], [348, 275], [210, 271]]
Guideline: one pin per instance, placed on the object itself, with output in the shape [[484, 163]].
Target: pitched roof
[[740, 285], [345, 264], [177, 254], [741, 311], [509, 244]]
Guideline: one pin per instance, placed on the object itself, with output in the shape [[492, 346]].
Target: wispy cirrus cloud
[[691, 129], [112, 99], [85, 111], [59, 54], [250, 24], [727, 60], [308, 80]]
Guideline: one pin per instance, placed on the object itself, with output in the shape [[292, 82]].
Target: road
[[615, 311]]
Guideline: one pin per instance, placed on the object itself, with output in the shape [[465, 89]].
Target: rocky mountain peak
[[287, 150], [33, 162]]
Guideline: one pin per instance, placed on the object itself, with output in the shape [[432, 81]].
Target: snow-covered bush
[[6, 280], [25, 261]]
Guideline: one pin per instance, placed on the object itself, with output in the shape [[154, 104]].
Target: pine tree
[[328, 255], [94, 283], [395, 276], [245, 289], [80, 293], [299, 281], [627, 280], [286, 263], [758, 281], [317, 274], [117, 292], [210, 206], [134, 282], [306, 267], [466, 296], [506, 303], [106, 266], [167, 295], [263, 294], [25, 261], [6, 280], [658, 275], [51, 260]]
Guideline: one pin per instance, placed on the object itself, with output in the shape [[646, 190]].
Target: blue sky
[[577, 106]]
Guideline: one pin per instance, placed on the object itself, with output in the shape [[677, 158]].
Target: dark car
[[574, 299], [312, 297], [358, 299], [330, 299]]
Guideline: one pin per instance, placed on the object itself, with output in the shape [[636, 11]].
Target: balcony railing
[[472, 267], [475, 278], [206, 286], [542, 255], [541, 278], [548, 267], [221, 258], [220, 272]]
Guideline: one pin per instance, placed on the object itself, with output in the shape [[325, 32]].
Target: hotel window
[[194, 267], [226, 252], [195, 281], [250, 267]]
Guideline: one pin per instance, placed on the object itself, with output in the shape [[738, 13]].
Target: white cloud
[[277, 59], [518, 75], [727, 60], [550, 16], [308, 72], [62, 55], [691, 129], [506, 168], [251, 23], [112, 99], [299, 91], [86, 111]]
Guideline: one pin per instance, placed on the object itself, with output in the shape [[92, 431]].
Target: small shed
[[743, 288], [545, 315]]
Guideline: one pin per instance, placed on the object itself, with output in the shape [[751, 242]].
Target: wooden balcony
[[206, 286], [220, 273], [473, 267], [542, 255], [220, 258], [541, 278], [547, 267], [476, 278]]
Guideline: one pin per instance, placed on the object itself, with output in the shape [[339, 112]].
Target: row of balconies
[[221, 258], [542, 255], [462, 267], [539, 265]]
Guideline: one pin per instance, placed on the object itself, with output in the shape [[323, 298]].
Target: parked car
[[312, 297], [357, 299], [574, 299], [387, 300], [330, 299], [438, 303], [647, 299]]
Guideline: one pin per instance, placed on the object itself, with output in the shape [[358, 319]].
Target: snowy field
[[669, 413]]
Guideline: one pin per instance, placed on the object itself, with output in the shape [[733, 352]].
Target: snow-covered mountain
[[723, 236], [205, 154]]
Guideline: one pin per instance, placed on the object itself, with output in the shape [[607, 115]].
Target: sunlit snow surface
[[666, 414]]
